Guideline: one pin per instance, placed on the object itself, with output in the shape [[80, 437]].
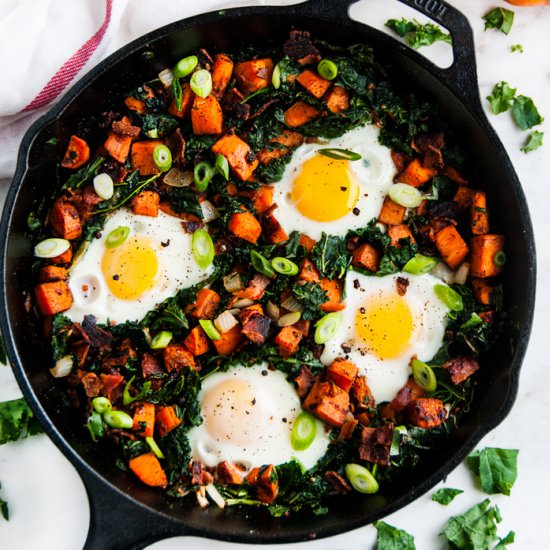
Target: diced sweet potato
[[288, 339], [118, 146], [408, 393], [65, 220], [342, 372], [144, 419], [391, 213], [461, 368], [272, 230], [451, 246], [206, 116], [142, 157], [486, 252], [229, 473], [426, 412], [463, 197], [221, 74], [51, 273], [255, 289], [300, 113], [138, 105], [308, 272], [206, 304], [307, 242], [263, 198], [238, 155], [347, 429], [399, 232], [166, 420], [415, 174], [230, 341], [53, 297], [328, 402], [176, 358], [366, 256], [187, 97], [146, 203], [376, 444], [63, 259], [479, 217], [266, 156], [337, 99], [254, 75], [482, 291], [148, 470], [266, 481], [196, 341], [313, 83], [362, 394], [333, 288], [77, 153], [245, 226]]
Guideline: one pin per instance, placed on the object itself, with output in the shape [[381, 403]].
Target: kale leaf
[[446, 495], [61, 327], [158, 125], [525, 112], [502, 97], [331, 256], [183, 200], [311, 296], [496, 468], [534, 141], [17, 421], [389, 537], [177, 452], [416, 34], [499, 18], [83, 175]]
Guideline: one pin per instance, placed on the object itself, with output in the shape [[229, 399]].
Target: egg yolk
[[325, 189], [385, 324], [131, 268], [231, 413]]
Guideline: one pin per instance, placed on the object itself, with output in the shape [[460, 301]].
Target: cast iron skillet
[[125, 514]]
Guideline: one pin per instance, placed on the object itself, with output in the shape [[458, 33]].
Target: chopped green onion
[[405, 195], [451, 298], [327, 69], [201, 83], [500, 258], [327, 326], [202, 174], [424, 375], [104, 186], [472, 322], [339, 154], [261, 264], [284, 266], [161, 339], [222, 166], [154, 447], [303, 432], [153, 133], [398, 433], [361, 479], [203, 248], [117, 236], [162, 158], [289, 319], [95, 426], [276, 76], [210, 329], [178, 93], [118, 419], [185, 66], [50, 248], [420, 264], [101, 404]]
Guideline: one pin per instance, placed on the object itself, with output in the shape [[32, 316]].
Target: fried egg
[[318, 193], [122, 283], [248, 414], [383, 328]]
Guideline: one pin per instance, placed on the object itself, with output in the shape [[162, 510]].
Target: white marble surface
[[48, 505]]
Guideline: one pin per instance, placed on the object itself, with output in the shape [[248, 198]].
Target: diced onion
[[243, 302], [291, 304], [233, 282], [62, 367], [177, 178], [461, 274], [225, 322], [215, 495], [104, 186], [166, 76], [289, 319], [272, 310], [443, 272], [201, 497], [209, 212]]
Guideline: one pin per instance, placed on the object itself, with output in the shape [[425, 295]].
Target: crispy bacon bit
[[92, 384], [150, 365], [400, 159], [256, 328], [376, 444], [81, 352], [229, 473], [112, 386], [255, 289], [347, 429], [461, 368], [300, 48], [337, 482], [199, 476], [263, 108], [409, 392], [176, 143], [96, 336], [124, 127], [304, 381], [401, 285]]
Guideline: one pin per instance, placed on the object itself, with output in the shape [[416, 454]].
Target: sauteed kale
[[206, 144]]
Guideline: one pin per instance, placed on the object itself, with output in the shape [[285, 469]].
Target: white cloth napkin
[[47, 45]]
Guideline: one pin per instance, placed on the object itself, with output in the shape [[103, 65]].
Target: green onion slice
[[276, 76], [261, 264], [451, 298], [424, 375], [201, 83], [361, 479], [95, 426], [222, 166], [162, 158], [161, 339], [101, 404], [203, 248], [339, 154], [202, 174], [210, 329], [420, 264], [185, 66], [154, 447], [104, 186], [327, 69], [51, 248], [327, 326], [117, 236], [303, 432], [499, 258], [118, 419], [405, 195], [284, 266]]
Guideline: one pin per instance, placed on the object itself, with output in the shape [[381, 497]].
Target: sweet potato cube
[[167, 420], [272, 229], [238, 155], [196, 341], [263, 198], [176, 357], [222, 71], [308, 272], [313, 83], [77, 153], [65, 220], [245, 226], [463, 197], [451, 246], [118, 146], [391, 213], [342, 372], [300, 113], [334, 289], [288, 339], [482, 291], [479, 217], [148, 470], [366, 256], [337, 99], [142, 157], [328, 402], [51, 273], [53, 297], [144, 419], [486, 255], [398, 233], [307, 242], [146, 203], [415, 174], [206, 304], [427, 412], [230, 341], [187, 97], [64, 258], [229, 473], [253, 75], [206, 116]]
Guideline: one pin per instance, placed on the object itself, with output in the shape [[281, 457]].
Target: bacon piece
[[304, 381], [376, 444], [461, 368], [300, 48], [337, 482]]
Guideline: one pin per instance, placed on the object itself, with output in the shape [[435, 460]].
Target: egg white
[[386, 377], [177, 269], [255, 431], [374, 171]]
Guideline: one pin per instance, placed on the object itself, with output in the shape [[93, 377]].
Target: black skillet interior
[[125, 514]]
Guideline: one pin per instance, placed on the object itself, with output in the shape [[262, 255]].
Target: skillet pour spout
[[127, 515]]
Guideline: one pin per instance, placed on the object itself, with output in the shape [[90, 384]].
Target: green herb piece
[[261, 264], [496, 468], [533, 141], [202, 248], [499, 18], [361, 479], [83, 175], [339, 154], [446, 496], [416, 34], [17, 421], [4, 510], [331, 256], [185, 66], [327, 69], [525, 112], [33, 221], [158, 125], [476, 529], [117, 236], [95, 426], [389, 537], [254, 94], [501, 97], [276, 76], [499, 259], [311, 296], [154, 447], [303, 432], [222, 166], [516, 48]]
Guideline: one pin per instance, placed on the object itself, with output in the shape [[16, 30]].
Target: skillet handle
[[117, 523]]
